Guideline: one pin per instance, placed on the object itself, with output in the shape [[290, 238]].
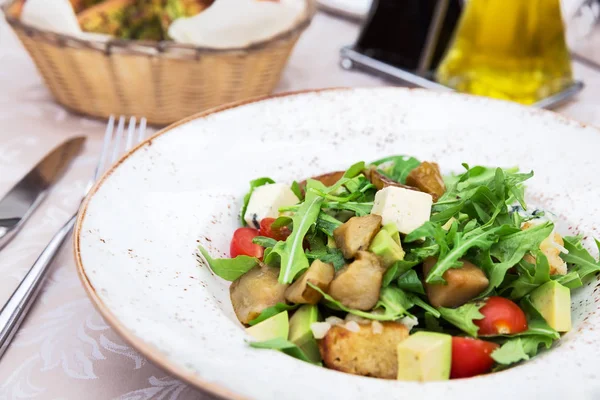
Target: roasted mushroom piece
[[381, 181], [256, 290], [427, 178], [356, 234], [462, 284], [319, 274], [369, 352], [357, 285]]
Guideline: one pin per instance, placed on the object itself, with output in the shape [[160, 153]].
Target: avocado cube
[[553, 301], [392, 229], [424, 357], [300, 332], [271, 328], [386, 247]]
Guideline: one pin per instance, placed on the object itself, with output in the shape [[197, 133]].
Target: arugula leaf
[[397, 269], [509, 250], [397, 168], [393, 304], [229, 268], [272, 311], [536, 324], [570, 280], [284, 346], [264, 241], [526, 282], [327, 224], [511, 352], [319, 250], [463, 316], [519, 349], [580, 259], [360, 209], [328, 255], [432, 324], [462, 242], [354, 170], [297, 190], [253, 185], [410, 282], [291, 251]]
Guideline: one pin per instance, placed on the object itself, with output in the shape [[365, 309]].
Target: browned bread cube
[[364, 352]]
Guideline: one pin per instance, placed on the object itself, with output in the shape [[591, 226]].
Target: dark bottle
[[409, 34]]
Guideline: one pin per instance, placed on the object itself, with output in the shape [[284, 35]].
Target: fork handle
[[15, 310]]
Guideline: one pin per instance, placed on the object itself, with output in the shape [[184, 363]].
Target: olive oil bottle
[[508, 49]]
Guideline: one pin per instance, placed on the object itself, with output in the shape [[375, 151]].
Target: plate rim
[[148, 350]]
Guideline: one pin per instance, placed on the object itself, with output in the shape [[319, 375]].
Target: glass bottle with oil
[[508, 49]]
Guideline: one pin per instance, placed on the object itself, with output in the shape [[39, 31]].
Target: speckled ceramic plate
[[137, 234]]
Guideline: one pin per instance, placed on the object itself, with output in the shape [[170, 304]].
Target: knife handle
[[15, 310]]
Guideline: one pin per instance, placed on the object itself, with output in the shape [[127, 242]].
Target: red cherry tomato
[[241, 243], [501, 317], [471, 357], [267, 230]]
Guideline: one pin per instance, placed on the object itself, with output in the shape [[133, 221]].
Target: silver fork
[[15, 310]]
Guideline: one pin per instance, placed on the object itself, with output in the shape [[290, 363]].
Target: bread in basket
[[163, 81]]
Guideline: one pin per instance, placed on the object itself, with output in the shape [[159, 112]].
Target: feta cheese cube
[[265, 202], [408, 209]]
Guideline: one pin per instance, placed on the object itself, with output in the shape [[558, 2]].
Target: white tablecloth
[[64, 349]]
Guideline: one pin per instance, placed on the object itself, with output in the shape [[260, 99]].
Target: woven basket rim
[[161, 46]]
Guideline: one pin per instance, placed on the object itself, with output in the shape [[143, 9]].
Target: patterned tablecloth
[[64, 349]]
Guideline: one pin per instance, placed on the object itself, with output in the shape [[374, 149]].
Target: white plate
[[136, 236], [356, 9]]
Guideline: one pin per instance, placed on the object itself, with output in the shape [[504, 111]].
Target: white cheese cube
[[265, 202], [408, 209]]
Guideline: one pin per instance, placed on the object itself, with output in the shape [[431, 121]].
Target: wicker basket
[[162, 81]]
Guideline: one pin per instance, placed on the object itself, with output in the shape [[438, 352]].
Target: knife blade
[[20, 201]]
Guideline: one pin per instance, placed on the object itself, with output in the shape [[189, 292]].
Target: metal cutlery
[[116, 141], [23, 199]]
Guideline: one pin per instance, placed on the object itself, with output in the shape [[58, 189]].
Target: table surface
[[64, 348]]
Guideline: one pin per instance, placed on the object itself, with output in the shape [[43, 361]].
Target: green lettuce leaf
[[253, 185], [272, 311], [397, 269], [264, 241], [229, 268], [410, 282], [463, 316], [297, 190], [320, 251], [284, 346]]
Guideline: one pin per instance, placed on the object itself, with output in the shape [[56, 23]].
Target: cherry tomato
[[241, 243], [501, 317], [471, 357], [267, 230]]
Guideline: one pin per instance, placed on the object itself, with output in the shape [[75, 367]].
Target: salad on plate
[[392, 270]]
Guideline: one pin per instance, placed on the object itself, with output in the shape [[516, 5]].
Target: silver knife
[[20, 201]]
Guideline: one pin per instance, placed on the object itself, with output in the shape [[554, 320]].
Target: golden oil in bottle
[[508, 49]]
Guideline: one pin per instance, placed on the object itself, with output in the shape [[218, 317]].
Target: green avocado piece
[[277, 326], [301, 334], [553, 301], [424, 357], [384, 246], [392, 229]]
